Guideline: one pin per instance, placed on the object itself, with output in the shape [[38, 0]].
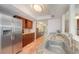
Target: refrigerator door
[[0, 36], [17, 34], [6, 43], [6, 30], [10, 35]]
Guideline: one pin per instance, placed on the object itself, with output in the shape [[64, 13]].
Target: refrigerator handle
[[12, 38]]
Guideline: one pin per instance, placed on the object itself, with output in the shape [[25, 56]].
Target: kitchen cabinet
[[27, 39], [26, 22], [77, 26], [29, 24]]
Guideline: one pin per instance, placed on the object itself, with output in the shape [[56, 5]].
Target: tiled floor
[[31, 48]]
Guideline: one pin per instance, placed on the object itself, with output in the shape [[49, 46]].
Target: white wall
[[63, 23], [72, 22], [54, 25]]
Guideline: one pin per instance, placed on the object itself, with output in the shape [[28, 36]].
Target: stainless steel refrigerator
[[10, 35]]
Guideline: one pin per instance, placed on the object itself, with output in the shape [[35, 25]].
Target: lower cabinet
[[27, 39]]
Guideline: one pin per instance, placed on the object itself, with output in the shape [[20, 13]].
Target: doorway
[[41, 28]]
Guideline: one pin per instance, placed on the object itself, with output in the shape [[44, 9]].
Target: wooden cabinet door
[[29, 24], [27, 39], [77, 26]]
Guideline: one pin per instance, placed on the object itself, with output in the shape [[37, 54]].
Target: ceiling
[[10, 10], [52, 11], [77, 9]]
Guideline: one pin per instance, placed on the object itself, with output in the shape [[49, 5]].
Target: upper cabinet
[[26, 23], [29, 24], [77, 26]]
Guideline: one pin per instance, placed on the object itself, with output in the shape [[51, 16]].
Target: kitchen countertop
[[27, 33]]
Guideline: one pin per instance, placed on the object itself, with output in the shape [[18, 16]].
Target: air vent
[[52, 15]]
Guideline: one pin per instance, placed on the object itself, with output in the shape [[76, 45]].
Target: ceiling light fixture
[[37, 8]]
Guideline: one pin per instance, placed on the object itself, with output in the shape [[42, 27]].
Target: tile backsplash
[[27, 30]]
